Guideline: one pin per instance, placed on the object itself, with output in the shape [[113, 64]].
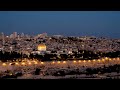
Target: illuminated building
[[41, 47]]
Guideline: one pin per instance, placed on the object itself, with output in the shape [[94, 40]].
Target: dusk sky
[[69, 23]]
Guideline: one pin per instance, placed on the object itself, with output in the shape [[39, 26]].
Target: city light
[[89, 61], [42, 62], [53, 62], [113, 58], [4, 64], [118, 59], [35, 62], [16, 63], [98, 60], [23, 63], [106, 58], [94, 60], [64, 61], [29, 63], [103, 59], [74, 61], [10, 63], [110, 59], [10, 73], [84, 61], [58, 62]]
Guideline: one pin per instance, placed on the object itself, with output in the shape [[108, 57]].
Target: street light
[[103, 59], [42, 62], [16, 63], [110, 59], [4, 64], [64, 61], [53, 62], [58, 62], [84, 61], [89, 61], [74, 61], [118, 59], [10, 63], [106, 58], [35, 62], [98, 60], [94, 60], [113, 58], [23, 63]]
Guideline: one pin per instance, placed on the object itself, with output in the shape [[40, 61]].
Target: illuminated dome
[[41, 47]]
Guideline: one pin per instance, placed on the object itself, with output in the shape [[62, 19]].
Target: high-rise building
[[11, 36], [14, 34], [22, 34]]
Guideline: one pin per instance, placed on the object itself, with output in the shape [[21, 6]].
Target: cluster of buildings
[[42, 43]]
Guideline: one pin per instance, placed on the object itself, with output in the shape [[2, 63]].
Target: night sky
[[69, 23]]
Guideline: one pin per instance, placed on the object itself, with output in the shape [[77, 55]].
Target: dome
[[41, 47]]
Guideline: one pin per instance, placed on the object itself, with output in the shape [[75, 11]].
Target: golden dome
[[41, 47]]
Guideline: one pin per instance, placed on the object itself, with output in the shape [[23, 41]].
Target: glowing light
[[79, 61], [16, 63], [42, 62], [94, 60], [106, 58], [41, 47], [58, 62], [89, 61], [64, 61], [84, 61], [23, 63], [113, 58], [118, 59], [53, 62], [10, 73], [4, 64], [36, 62], [10, 63], [74, 61], [110, 59], [103, 59], [29, 63], [98, 60]]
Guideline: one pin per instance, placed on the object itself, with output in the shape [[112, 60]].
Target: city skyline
[[68, 23]]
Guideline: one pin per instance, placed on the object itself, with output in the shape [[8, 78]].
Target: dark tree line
[[81, 54], [108, 69], [4, 56]]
